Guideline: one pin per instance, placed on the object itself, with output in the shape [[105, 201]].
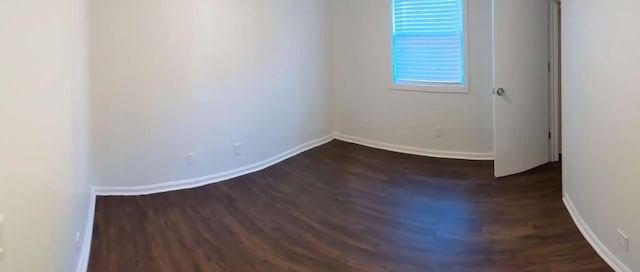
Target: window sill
[[435, 88]]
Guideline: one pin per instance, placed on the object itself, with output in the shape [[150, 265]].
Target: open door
[[521, 85]]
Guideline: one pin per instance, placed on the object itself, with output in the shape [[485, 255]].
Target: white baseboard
[[599, 247], [85, 250], [214, 178], [83, 261], [206, 180], [416, 151]]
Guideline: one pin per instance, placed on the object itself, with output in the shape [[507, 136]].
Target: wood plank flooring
[[344, 207]]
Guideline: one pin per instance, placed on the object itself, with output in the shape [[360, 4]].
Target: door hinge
[[549, 66], [549, 135]]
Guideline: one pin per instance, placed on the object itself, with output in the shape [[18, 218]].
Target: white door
[[521, 82]]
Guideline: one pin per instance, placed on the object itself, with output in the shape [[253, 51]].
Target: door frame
[[555, 77]]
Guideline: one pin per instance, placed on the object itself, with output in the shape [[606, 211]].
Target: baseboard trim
[[416, 151], [83, 261], [597, 245], [210, 179], [214, 178], [85, 251]]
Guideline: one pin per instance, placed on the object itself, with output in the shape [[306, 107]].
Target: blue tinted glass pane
[[427, 41]]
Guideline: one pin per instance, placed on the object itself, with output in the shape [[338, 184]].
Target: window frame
[[434, 87]]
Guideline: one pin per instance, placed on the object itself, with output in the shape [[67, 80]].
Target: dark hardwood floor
[[344, 207]]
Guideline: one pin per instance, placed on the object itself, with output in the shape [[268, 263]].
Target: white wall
[[44, 194], [601, 118], [171, 77], [364, 107]]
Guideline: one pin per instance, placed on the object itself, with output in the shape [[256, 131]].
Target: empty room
[[319, 135]]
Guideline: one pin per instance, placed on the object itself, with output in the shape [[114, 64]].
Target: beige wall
[[44, 192], [365, 107], [173, 77], [601, 118]]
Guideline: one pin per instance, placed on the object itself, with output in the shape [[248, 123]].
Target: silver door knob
[[500, 92]]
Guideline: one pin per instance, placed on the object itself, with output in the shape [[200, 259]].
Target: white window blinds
[[428, 42]]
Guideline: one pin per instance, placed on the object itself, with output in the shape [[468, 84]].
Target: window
[[429, 45]]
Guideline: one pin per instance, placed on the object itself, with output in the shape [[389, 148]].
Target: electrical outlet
[[439, 132], [623, 240], [191, 158], [2, 249], [77, 241], [237, 149]]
